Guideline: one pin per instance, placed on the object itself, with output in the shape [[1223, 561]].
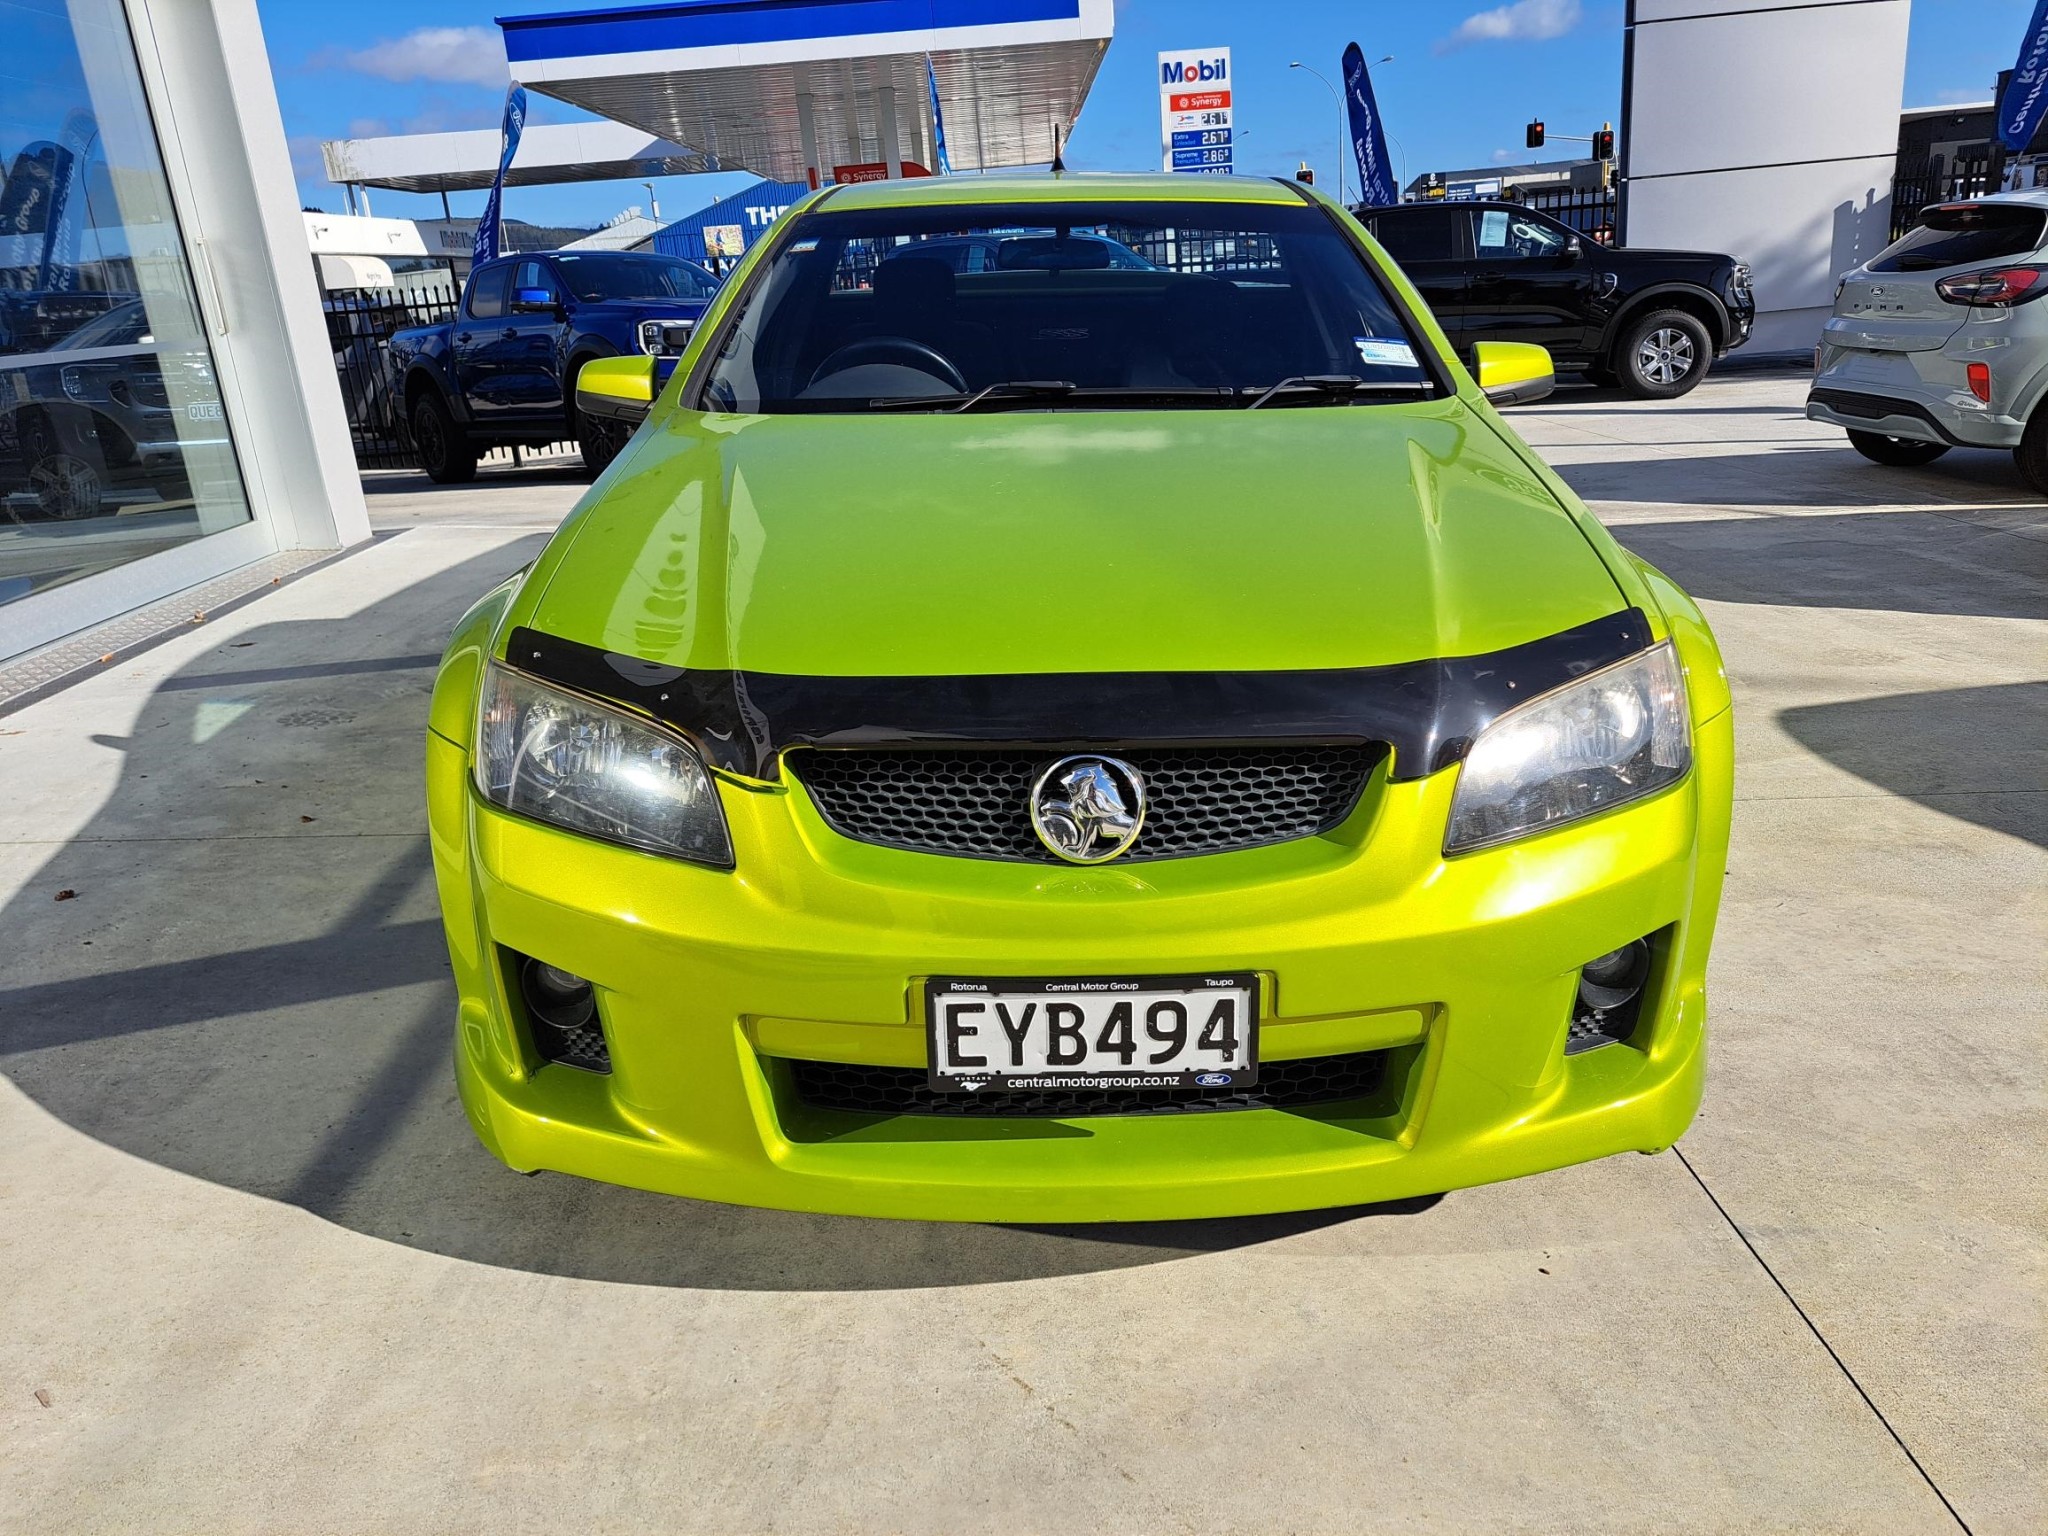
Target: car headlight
[[665, 338], [576, 764], [1600, 742]]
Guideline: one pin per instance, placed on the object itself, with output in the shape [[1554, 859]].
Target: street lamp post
[[1338, 98]]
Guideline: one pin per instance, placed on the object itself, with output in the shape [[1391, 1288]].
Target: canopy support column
[[807, 130], [892, 150]]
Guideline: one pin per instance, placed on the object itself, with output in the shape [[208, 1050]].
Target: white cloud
[[1525, 21], [455, 55]]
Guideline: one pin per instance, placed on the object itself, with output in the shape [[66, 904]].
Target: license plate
[[1093, 1032]]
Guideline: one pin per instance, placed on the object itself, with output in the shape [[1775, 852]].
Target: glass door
[[113, 441]]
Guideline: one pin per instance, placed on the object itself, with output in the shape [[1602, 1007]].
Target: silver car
[[1937, 342]]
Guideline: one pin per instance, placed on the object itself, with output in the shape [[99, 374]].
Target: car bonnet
[[923, 553]]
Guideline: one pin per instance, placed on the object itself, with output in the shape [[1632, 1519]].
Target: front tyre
[[600, 442], [1662, 355], [448, 457], [1896, 452], [67, 484]]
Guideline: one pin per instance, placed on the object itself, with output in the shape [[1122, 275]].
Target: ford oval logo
[[1212, 1080]]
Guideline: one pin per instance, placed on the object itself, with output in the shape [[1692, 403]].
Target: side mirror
[[1513, 372], [1574, 248], [533, 301], [619, 389]]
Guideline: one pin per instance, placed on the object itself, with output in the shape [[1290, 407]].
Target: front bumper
[[709, 983]]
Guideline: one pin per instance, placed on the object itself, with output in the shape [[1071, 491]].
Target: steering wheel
[[891, 349]]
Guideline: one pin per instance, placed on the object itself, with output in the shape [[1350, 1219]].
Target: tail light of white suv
[[1994, 287]]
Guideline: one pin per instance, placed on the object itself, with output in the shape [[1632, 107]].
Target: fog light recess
[[1610, 998], [561, 1009]]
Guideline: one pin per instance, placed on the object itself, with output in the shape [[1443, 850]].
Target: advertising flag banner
[[931, 79], [2026, 94], [486, 247], [1376, 187], [1195, 124]]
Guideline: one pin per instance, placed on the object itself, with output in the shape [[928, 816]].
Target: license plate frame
[[1013, 1063]]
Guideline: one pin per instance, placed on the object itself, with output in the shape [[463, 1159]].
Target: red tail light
[[1980, 380], [1994, 286]]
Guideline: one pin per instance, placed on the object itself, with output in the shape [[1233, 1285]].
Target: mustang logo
[[1088, 809]]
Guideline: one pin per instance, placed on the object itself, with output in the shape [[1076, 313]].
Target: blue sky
[[1465, 78]]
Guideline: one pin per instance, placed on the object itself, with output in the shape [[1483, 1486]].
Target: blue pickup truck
[[503, 371]]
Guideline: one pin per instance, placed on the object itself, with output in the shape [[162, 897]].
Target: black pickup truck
[[1651, 322], [503, 371]]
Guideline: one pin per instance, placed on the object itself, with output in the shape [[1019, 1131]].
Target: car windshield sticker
[[1379, 351], [1493, 228], [803, 246]]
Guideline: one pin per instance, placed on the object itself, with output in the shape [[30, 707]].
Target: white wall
[[1768, 129]]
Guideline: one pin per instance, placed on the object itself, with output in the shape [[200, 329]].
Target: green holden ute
[[1071, 706]]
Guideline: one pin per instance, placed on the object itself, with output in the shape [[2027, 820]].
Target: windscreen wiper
[[1016, 389], [1341, 386]]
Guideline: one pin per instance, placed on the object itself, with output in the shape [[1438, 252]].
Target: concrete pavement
[[267, 1282]]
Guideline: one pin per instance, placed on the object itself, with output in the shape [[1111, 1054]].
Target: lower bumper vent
[[905, 1091], [561, 1015]]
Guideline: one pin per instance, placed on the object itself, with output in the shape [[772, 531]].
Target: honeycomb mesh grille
[[579, 1045], [906, 1091], [973, 802]]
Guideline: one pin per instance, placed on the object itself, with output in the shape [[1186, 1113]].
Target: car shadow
[[1904, 562], [1980, 754], [247, 983]]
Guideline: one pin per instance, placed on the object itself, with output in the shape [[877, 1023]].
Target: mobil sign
[[1194, 110]]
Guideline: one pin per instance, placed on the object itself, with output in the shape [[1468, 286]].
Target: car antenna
[[1059, 163]]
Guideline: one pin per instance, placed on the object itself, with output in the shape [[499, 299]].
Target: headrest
[[913, 282], [1195, 300]]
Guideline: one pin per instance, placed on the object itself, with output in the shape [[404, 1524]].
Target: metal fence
[[1593, 212], [359, 326], [1917, 183]]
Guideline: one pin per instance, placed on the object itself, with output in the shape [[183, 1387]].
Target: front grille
[[973, 801], [906, 1091]]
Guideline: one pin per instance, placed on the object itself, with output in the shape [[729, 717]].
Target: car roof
[[1063, 187]]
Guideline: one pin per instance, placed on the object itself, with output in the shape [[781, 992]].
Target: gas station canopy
[[795, 90], [548, 154]]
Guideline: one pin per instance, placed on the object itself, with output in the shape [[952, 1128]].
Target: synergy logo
[[1210, 71]]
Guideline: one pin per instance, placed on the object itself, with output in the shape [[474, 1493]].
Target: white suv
[[1937, 341]]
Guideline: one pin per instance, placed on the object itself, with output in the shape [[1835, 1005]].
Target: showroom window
[[113, 441]]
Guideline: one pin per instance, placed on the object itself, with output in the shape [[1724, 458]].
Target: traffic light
[[1603, 144], [1534, 138], [1305, 176]]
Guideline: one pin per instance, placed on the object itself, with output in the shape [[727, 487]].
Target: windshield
[[1089, 305], [601, 279], [1957, 234]]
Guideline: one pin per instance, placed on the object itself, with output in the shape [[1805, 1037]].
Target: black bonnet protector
[[1426, 711]]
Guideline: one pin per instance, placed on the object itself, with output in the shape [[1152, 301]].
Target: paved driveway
[[258, 1276]]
